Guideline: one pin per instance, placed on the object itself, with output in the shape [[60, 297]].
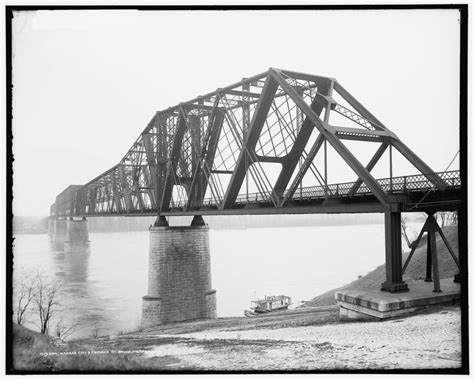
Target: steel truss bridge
[[249, 147]]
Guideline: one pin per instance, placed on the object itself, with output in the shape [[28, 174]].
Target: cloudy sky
[[86, 83]]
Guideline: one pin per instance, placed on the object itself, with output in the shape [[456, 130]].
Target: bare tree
[[454, 218], [46, 300], [447, 218], [442, 218], [24, 294]]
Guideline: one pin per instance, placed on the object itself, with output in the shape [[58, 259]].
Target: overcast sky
[[86, 83]]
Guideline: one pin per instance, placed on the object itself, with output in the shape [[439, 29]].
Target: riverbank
[[298, 340], [415, 271], [305, 339]]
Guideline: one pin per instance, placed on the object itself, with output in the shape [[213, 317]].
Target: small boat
[[267, 305]]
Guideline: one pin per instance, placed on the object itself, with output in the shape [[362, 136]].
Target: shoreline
[[309, 339]]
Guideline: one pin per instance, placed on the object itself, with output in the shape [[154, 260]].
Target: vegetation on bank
[[38, 352], [416, 269]]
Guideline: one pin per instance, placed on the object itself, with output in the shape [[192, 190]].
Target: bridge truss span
[[259, 144]]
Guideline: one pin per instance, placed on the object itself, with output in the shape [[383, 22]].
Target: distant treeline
[[30, 225], [36, 224], [226, 222]]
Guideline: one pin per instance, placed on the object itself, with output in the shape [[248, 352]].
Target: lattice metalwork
[[215, 151]]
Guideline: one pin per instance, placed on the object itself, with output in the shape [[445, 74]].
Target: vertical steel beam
[[173, 162], [207, 159], [195, 131], [141, 203], [434, 253], [127, 194], [93, 200], [150, 188], [136, 189], [117, 193], [152, 167], [429, 263], [393, 253], [256, 125], [391, 166], [161, 156], [245, 128], [325, 162]]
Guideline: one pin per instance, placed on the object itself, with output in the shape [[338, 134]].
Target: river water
[[102, 288]]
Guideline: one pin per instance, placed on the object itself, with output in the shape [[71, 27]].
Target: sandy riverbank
[[302, 340]]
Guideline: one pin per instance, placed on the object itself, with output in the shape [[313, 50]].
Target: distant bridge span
[[259, 146]]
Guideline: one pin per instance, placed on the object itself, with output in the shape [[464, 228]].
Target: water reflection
[[57, 245], [72, 268], [103, 286]]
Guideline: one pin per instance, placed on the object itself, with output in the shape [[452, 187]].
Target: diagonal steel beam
[[446, 242], [329, 135], [418, 163], [256, 125], [373, 161], [360, 108], [301, 140], [304, 168], [401, 147], [415, 245]]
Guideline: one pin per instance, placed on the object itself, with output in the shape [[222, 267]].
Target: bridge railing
[[392, 185]]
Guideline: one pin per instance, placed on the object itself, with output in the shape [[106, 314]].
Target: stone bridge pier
[[57, 233], [77, 235], [69, 234], [179, 274]]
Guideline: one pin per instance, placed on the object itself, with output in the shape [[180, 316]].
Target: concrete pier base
[[51, 223], [374, 304], [179, 276], [58, 234], [77, 236]]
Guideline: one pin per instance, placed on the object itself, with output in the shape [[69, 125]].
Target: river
[[102, 288]]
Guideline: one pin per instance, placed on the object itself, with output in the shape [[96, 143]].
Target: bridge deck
[[415, 193]]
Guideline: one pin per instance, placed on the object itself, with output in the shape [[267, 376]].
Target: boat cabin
[[270, 303]]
